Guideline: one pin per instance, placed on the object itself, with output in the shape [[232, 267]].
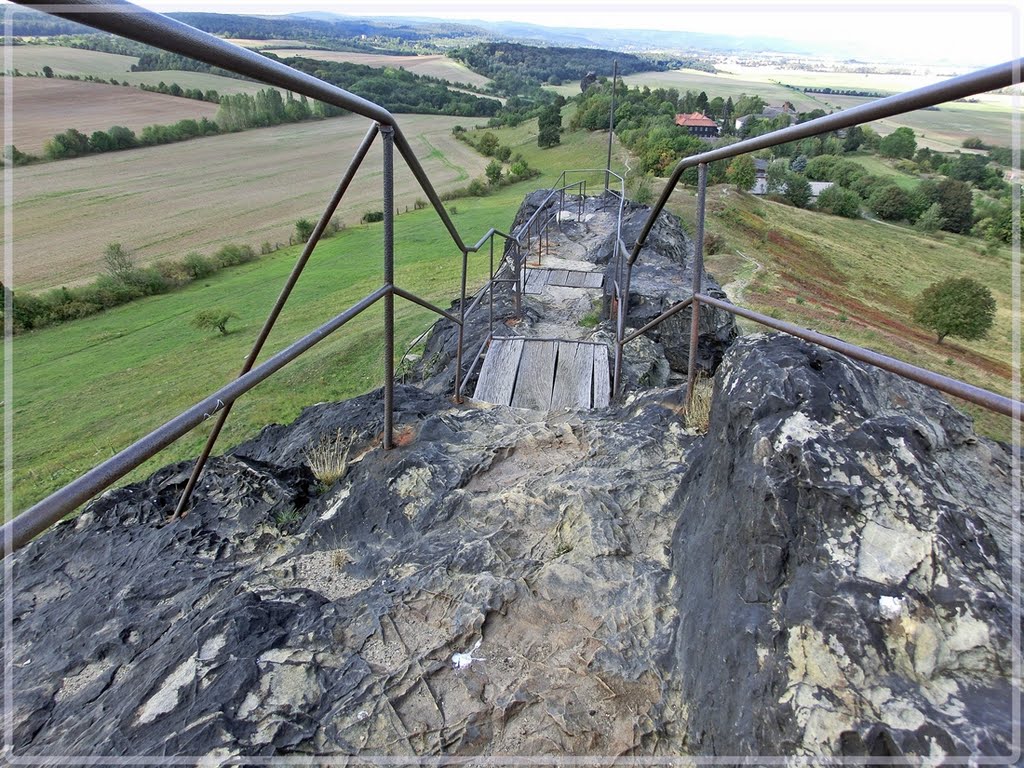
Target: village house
[[698, 124]]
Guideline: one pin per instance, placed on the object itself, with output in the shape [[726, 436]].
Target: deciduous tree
[[741, 172], [956, 306]]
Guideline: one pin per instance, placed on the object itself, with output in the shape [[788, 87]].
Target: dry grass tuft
[[698, 414], [404, 436], [328, 459]]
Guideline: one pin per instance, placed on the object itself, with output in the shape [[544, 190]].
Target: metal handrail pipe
[[21, 529], [990, 79], [972, 394], [409, 296], [492, 231], [126, 19], [673, 310], [542, 206]]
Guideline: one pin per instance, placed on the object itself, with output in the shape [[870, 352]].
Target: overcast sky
[[915, 30]]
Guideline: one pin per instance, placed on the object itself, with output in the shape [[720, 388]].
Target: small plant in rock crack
[[698, 415], [287, 517], [328, 458]]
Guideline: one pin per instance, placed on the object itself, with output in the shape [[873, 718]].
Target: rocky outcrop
[[842, 566], [825, 572]]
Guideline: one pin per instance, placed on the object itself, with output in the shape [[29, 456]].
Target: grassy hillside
[[130, 369], [857, 280]]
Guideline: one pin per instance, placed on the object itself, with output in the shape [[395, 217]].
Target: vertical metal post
[[462, 329], [491, 317], [698, 281], [518, 256], [611, 126], [388, 135], [622, 309]]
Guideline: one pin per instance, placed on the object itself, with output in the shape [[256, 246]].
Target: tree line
[[397, 89]]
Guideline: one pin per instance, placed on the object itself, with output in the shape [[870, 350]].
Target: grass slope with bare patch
[[858, 280]]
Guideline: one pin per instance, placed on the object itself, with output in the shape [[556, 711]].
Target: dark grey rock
[[835, 566]]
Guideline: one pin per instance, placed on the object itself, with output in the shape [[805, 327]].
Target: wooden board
[[602, 383], [593, 280], [536, 279], [498, 372], [574, 375], [557, 277], [536, 374]]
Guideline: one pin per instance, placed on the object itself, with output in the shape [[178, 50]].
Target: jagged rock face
[[281, 618], [842, 566], [828, 566]]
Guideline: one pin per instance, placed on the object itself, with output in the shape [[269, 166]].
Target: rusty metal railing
[[999, 76], [127, 20]]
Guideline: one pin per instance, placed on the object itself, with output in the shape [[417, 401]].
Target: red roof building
[[698, 124]]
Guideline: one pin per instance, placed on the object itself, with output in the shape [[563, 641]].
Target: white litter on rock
[[890, 607], [463, 660]]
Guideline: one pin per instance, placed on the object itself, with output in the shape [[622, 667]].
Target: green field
[[75, 61], [84, 390], [878, 166]]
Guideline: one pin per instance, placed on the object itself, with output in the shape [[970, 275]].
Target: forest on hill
[[515, 67]]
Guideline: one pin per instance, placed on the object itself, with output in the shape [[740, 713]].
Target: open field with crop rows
[[44, 107], [429, 66], [246, 188], [74, 61]]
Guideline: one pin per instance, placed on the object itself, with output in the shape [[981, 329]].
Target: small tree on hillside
[[303, 229], [956, 306], [899, 143], [931, 220], [742, 173], [48, 72], [839, 202], [775, 176], [493, 172], [213, 318], [798, 190], [119, 263]]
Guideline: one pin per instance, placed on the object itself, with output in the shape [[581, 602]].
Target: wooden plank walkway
[[538, 279], [545, 375]]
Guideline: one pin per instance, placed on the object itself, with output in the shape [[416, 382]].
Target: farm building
[[698, 124]]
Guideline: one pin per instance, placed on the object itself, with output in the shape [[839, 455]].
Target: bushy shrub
[[198, 266], [371, 217], [174, 273], [713, 243], [232, 255], [477, 188], [839, 202]]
